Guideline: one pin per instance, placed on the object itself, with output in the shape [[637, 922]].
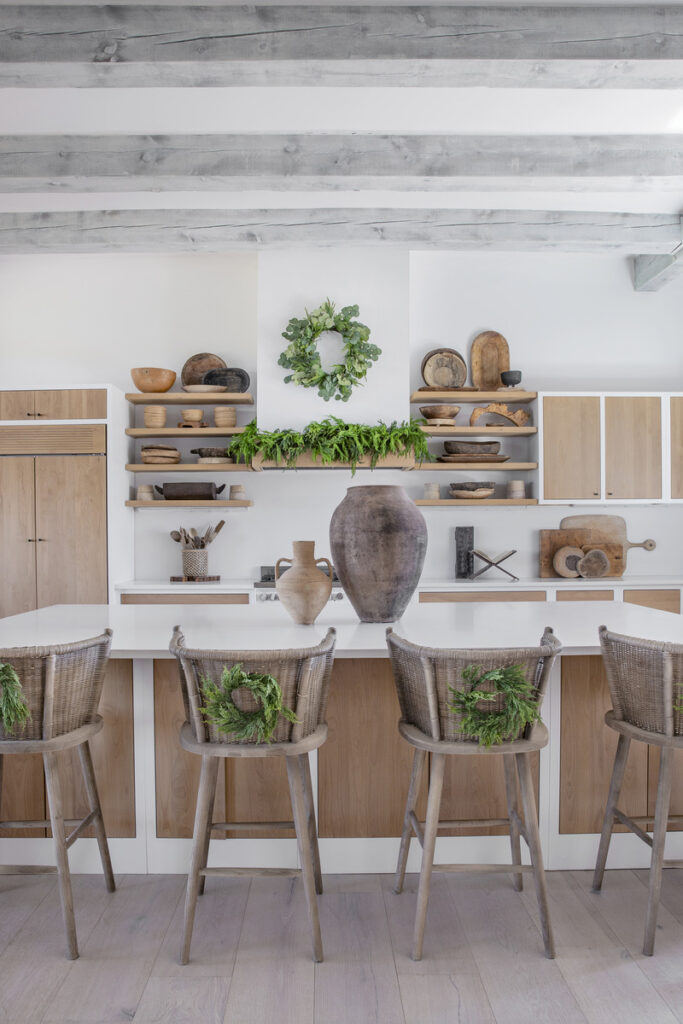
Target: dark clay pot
[[378, 540]]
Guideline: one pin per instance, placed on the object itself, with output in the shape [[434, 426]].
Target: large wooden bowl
[[152, 379]]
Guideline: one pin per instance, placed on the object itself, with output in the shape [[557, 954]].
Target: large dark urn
[[379, 540]]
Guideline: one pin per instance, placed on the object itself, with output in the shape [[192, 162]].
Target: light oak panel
[[44, 439], [633, 447], [184, 598], [71, 516], [571, 447], [676, 447], [17, 536], [587, 749], [258, 790], [474, 787], [664, 600], [585, 595], [16, 405], [22, 793], [364, 767], [83, 404], [177, 771], [442, 597]]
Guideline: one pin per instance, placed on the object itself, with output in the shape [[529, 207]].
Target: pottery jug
[[379, 541], [304, 590]]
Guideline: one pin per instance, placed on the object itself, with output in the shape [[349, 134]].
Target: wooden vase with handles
[[304, 590]]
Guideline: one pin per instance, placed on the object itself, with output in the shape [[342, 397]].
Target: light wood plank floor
[[483, 960]]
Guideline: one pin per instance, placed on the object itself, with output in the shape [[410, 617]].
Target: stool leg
[[618, 770], [202, 815], [658, 840], [85, 757], [531, 822], [511, 794], [431, 827], [310, 817], [213, 779], [407, 833], [54, 799], [295, 775]]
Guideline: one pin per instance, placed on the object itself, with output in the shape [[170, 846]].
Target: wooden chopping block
[[551, 541]]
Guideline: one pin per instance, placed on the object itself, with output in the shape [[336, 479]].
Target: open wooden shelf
[[194, 467], [465, 467], [161, 503], [191, 432], [473, 397], [476, 502], [185, 398], [494, 431]]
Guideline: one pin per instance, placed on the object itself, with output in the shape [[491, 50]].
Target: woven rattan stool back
[[646, 682]]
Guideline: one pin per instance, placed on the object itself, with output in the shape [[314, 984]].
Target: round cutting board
[[444, 368]]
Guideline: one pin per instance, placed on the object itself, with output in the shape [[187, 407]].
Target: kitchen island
[[148, 783]]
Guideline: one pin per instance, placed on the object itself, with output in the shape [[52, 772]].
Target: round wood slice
[[566, 561], [489, 356], [444, 368], [594, 564], [197, 366]]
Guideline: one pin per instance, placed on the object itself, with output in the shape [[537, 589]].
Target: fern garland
[[220, 709], [492, 726], [13, 707]]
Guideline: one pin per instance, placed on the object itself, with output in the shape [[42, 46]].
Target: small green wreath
[[13, 707], [519, 705], [220, 709], [302, 356]]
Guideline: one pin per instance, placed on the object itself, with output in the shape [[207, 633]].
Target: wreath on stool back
[[302, 356]]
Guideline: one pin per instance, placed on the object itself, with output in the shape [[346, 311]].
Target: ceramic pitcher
[[304, 590]]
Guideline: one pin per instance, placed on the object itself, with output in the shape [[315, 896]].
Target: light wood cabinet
[[64, 404], [17, 405], [17, 536], [455, 596], [663, 600], [633, 447], [571, 447], [676, 414], [585, 595], [184, 598]]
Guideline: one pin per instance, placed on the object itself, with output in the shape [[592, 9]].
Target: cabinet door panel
[[17, 536], [71, 519], [663, 600], [85, 404], [633, 447], [677, 447], [455, 596], [16, 405], [571, 447], [585, 595], [22, 793], [474, 787]]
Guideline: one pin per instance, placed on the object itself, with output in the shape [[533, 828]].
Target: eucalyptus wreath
[[13, 707], [220, 709], [302, 356], [514, 696]]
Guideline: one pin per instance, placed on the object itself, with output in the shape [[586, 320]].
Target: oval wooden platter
[[489, 356]]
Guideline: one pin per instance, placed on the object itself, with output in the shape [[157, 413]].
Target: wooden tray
[[551, 541], [489, 356]]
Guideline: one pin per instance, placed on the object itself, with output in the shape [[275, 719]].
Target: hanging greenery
[[13, 707], [302, 356], [220, 709], [514, 697]]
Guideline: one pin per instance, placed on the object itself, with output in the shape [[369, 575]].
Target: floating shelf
[[189, 504], [191, 432], [494, 431], [465, 467], [474, 397], [476, 502], [185, 398], [179, 467]]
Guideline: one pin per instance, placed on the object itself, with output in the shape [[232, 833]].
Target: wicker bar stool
[[62, 686], [646, 684], [304, 677], [423, 676]]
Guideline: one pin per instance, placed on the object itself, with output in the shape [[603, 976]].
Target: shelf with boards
[[475, 502], [189, 504], [472, 397], [190, 398], [190, 432], [493, 431], [193, 467], [466, 467]]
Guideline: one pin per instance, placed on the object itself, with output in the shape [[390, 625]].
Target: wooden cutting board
[[613, 527], [489, 356], [551, 540]]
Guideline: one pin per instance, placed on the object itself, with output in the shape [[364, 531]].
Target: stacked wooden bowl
[[160, 454], [440, 415]]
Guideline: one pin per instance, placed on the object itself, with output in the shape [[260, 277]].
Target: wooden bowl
[[150, 379], [192, 415], [478, 494], [472, 447], [440, 412]]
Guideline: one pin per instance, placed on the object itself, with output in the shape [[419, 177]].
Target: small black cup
[[511, 378]]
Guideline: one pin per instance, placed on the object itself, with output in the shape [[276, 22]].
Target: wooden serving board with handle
[[489, 356], [552, 540], [613, 527]]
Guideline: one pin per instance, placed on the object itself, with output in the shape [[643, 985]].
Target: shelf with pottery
[[189, 432], [466, 467], [134, 503], [189, 467], [190, 398], [487, 431], [476, 502], [466, 396]]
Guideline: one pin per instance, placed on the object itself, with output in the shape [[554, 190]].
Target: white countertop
[[145, 631]]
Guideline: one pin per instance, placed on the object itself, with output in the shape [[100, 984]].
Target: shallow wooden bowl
[[440, 412], [472, 447], [152, 379], [479, 493]]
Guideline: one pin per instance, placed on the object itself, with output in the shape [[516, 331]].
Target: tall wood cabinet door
[[17, 536], [71, 529], [571, 447], [16, 405], [677, 447], [633, 447], [81, 404]]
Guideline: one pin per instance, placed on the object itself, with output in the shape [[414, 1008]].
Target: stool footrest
[[630, 824], [27, 869], [33, 823], [248, 826], [256, 872], [81, 827], [485, 868]]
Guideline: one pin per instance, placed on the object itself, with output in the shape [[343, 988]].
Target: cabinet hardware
[[595, 494], [30, 540], [41, 539]]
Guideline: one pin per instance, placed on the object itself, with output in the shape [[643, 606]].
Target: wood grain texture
[[474, 787], [184, 598], [446, 596], [16, 405], [17, 536], [587, 748], [585, 595], [664, 600], [633, 447], [71, 516], [256, 789], [571, 447], [489, 356], [43, 439], [77, 404], [371, 799], [676, 415]]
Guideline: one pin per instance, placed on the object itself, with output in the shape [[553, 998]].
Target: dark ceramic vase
[[378, 540]]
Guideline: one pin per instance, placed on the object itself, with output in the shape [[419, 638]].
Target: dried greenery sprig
[[220, 709], [13, 707], [492, 726]]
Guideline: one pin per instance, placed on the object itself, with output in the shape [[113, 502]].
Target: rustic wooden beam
[[91, 163], [237, 230], [650, 273], [578, 47]]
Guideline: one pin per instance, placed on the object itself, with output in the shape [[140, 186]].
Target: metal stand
[[494, 563]]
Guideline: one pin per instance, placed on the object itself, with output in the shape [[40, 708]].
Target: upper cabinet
[[571, 447], [677, 446], [79, 404], [17, 405], [633, 447]]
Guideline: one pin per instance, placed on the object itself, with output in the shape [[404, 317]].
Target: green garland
[[220, 709], [302, 356], [13, 707], [495, 726]]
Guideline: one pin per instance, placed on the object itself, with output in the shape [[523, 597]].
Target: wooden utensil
[[551, 541], [176, 536], [197, 366], [444, 368], [489, 356], [613, 527]]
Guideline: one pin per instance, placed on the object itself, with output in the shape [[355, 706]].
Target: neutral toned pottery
[[379, 540], [152, 379], [472, 447], [145, 492], [304, 590], [210, 453], [476, 489], [213, 460], [159, 454], [233, 379], [195, 562], [473, 458], [197, 366], [238, 493], [511, 378], [192, 490], [516, 489], [431, 492], [192, 415], [439, 412], [225, 415], [154, 416]]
